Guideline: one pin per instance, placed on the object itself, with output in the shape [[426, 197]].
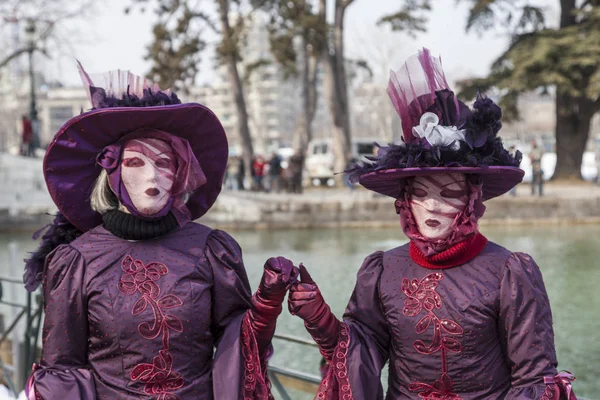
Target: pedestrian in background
[[597, 178], [295, 169], [233, 166], [351, 163], [275, 171], [27, 137], [258, 171], [537, 174], [513, 191], [241, 173]]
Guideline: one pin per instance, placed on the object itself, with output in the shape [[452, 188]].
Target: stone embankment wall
[[25, 203], [24, 199], [263, 211]]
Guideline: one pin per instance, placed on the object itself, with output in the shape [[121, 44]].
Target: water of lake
[[569, 257]]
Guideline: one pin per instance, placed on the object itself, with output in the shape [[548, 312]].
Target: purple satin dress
[[482, 330], [161, 319]]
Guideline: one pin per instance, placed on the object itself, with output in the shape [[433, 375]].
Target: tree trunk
[[308, 98], [232, 59], [573, 119], [337, 89]]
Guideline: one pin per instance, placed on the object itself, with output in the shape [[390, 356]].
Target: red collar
[[458, 254]]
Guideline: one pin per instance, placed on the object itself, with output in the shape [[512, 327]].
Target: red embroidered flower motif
[[422, 295], [440, 390], [158, 376], [142, 278]]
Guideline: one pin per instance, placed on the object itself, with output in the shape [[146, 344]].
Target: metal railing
[[31, 314], [284, 379]]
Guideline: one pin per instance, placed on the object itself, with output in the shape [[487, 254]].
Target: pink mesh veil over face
[[463, 224], [435, 201], [181, 175], [148, 172]]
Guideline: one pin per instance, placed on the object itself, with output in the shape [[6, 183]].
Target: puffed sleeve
[[362, 349], [63, 372], [238, 372], [526, 333]]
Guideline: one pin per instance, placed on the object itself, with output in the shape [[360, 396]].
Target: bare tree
[[176, 48], [229, 54], [48, 16]]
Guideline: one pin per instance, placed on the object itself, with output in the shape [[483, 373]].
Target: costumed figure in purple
[[141, 302], [454, 315]]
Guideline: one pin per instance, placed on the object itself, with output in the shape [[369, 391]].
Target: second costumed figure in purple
[[141, 302], [454, 315]]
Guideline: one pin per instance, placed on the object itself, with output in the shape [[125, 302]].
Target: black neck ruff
[[130, 227]]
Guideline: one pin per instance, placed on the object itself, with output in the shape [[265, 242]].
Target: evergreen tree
[[565, 58]]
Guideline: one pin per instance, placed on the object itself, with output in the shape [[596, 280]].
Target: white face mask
[[435, 201], [148, 175]]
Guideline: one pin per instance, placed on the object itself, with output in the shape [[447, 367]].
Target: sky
[[108, 39]]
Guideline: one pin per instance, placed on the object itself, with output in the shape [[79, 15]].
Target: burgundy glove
[[278, 276], [305, 300]]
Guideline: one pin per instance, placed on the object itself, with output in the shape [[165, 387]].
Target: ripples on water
[[567, 255]]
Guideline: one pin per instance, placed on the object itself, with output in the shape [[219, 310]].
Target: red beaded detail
[[336, 380], [256, 381], [421, 295], [159, 377]]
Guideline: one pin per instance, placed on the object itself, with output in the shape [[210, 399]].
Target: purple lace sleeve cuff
[[256, 381], [335, 384], [54, 383], [559, 387]]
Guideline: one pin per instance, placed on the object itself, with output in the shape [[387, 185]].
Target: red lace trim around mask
[[458, 254]]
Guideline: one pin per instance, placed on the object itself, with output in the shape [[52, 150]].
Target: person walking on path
[[597, 154], [27, 137], [258, 172], [537, 174], [275, 171], [296, 166], [351, 163]]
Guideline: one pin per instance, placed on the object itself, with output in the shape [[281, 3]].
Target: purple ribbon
[[29, 386], [110, 156]]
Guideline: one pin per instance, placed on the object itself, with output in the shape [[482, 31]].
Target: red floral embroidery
[[256, 382], [158, 376], [422, 295], [336, 381]]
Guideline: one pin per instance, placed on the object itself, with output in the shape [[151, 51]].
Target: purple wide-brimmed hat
[[440, 134], [70, 165]]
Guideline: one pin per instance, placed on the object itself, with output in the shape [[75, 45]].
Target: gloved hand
[[305, 301], [278, 276]]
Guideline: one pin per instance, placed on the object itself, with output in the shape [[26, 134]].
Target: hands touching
[[305, 301], [278, 276]]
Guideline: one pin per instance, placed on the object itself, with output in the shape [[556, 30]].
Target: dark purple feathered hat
[[123, 104], [440, 134]]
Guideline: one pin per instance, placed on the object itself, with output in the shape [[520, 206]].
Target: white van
[[320, 159]]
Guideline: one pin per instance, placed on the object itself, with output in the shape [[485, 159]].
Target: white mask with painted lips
[[148, 172], [436, 200]]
